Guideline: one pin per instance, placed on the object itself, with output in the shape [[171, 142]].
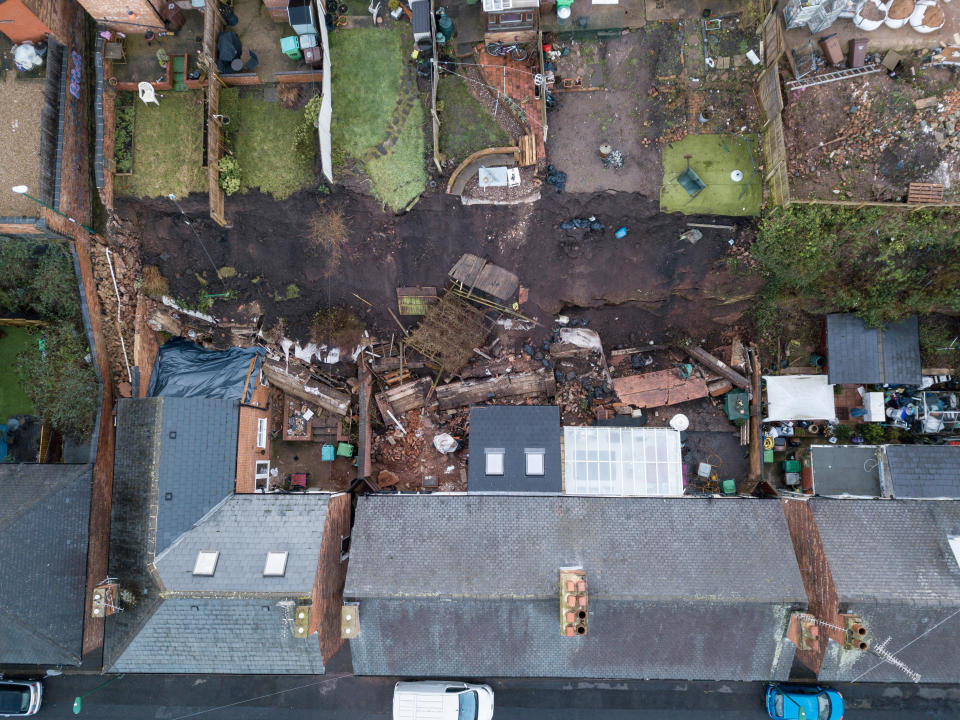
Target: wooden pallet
[[528, 150], [925, 193]]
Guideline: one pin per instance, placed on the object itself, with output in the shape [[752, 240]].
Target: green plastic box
[[290, 46], [345, 449], [768, 456]]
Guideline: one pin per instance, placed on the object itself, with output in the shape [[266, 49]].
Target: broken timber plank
[[512, 386], [660, 388], [718, 366], [327, 398], [403, 398]]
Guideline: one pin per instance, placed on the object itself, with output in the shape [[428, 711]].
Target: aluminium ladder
[[833, 77]]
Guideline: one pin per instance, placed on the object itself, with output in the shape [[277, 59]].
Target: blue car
[[803, 702]]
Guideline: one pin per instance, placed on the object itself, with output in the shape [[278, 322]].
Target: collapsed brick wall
[[331, 576]]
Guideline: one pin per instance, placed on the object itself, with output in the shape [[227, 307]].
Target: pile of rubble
[[941, 116]]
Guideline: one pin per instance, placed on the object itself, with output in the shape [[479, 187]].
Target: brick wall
[[131, 16], [331, 575], [822, 597]]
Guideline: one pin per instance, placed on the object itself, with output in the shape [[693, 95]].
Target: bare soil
[[864, 139], [657, 285]]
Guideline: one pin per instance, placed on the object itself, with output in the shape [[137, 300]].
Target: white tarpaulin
[[326, 106], [799, 397]]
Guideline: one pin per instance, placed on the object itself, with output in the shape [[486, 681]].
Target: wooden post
[[756, 441], [718, 366]]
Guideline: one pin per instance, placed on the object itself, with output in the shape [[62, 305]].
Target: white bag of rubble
[[445, 443], [581, 337]]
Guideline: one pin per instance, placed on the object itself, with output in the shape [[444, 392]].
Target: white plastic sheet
[[799, 397], [326, 105]]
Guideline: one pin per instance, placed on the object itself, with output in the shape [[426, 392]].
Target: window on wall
[[261, 432], [263, 469]]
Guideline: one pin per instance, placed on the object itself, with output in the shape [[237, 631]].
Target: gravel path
[[20, 137]]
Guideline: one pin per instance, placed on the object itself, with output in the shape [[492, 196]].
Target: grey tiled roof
[[221, 635], [44, 527], [198, 467], [475, 637], [513, 546], [467, 585], [888, 551], [924, 471], [858, 354], [934, 652], [513, 428], [244, 529]]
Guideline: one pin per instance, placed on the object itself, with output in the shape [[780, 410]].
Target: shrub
[[60, 382], [872, 433], [842, 433], [229, 174], [329, 235], [123, 137], [54, 291], [153, 283], [307, 130]]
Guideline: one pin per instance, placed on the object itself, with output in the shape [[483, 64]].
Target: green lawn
[[465, 125], [13, 396], [367, 82], [264, 142], [713, 158], [167, 148]]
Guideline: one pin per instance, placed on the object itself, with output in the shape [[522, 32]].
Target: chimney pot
[[581, 629], [571, 600], [570, 616], [583, 601], [569, 631], [582, 585]]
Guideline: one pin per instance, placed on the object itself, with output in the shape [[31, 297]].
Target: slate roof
[[176, 622], [891, 551], [222, 635], [467, 585], [924, 471], [44, 527], [858, 354], [514, 428], [244, 528], [893, 566]]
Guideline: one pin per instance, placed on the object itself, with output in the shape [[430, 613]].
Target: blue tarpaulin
[[184, 369]]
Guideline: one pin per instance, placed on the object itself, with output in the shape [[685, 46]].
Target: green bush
[[60, 382], [54, 289], [842, 433], [872, 433], [229, 174], [123, 136], [881, 264]]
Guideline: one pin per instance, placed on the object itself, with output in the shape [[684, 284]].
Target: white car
[[20, 698], [442, 700]]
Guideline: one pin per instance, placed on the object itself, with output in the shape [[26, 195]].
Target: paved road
[[338, 697]]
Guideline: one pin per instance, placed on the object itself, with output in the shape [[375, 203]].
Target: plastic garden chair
[[147, 93]]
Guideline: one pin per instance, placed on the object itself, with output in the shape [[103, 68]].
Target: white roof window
[[206, 563], [534, 460], [276, 564], [494, 464]]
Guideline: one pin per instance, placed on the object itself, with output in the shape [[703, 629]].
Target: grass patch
[[399, 177], [14, 399], [713, 158], [167, 148], [263, 137], [365, 97], [466, 126]]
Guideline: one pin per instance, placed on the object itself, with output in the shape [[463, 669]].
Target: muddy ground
[[865, 139], [661, 287]]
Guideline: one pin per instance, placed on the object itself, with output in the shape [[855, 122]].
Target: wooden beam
[[756, 447], [718, 366], [511, 386]]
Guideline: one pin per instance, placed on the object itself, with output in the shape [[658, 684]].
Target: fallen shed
[[449, 332], [475, 274], [512, 386], [327, 398]]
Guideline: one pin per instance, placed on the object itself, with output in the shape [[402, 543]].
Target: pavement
[[346, 697]]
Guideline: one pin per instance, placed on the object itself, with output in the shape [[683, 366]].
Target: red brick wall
[[818, 582], [131, 16], [331, 575]]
